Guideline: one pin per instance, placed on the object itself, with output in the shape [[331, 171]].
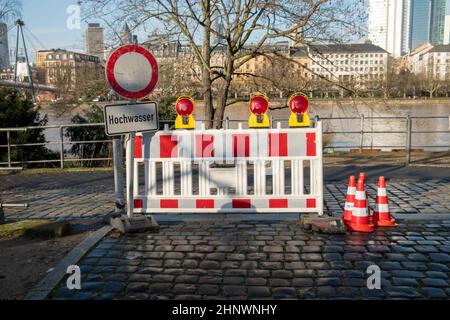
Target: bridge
[[27, 85]]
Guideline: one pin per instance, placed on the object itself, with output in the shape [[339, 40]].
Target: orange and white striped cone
[[362, 177], [349, 200], [360, 216], [381, 215]]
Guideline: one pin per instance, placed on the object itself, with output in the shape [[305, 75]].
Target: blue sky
[[46, 19]]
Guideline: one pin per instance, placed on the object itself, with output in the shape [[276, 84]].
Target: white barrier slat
[[150, 181], [168, 178], [186, 177], [259, 177]]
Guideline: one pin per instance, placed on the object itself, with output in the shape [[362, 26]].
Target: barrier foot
[[322, 224], [138, 223]]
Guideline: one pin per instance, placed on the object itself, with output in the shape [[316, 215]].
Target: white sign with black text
[[127, 118]]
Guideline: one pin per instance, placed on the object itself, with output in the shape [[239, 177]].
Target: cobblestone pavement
[[79, 195], [258, 260]]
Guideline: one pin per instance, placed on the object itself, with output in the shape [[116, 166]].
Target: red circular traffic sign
[[132, 71]]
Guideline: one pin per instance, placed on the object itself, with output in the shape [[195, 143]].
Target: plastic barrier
[[229, 170]]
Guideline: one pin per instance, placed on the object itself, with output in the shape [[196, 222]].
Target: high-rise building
[[447, 30], [427, 22], [388, 25], [4, 51], [399, 26], [94, 43], [437, 21]]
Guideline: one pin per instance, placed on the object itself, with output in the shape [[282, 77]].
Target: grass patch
[[34, 229]]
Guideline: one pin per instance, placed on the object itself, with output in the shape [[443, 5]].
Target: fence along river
[[384, 123]]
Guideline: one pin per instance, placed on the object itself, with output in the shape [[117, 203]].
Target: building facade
[[94, 43], [67, 69], [432, 62], [4, 50]]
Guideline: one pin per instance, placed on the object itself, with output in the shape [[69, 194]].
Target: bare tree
[[10, 9], [243, 30]]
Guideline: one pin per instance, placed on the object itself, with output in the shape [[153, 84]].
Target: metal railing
[[362, 132]]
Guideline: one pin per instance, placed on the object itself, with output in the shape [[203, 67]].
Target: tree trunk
[[223, 93], [206, 74]]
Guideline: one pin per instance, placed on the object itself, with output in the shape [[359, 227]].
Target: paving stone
[[440, 257], [284, 293], [209, 264], [405, 282], [208, 289], [401, 292], [304, 273], [186, 279], [433, 293], [328, 282], [278, 282], [432, 282], [113, 287], [354, 282], [326, 292], [134, 287], [234, 290], [234, 280], [210, 280], [259, 273], [256, 281], [181, 288], [302, 282], [137, 277], [282, 274], [258, 292], [270, 265]]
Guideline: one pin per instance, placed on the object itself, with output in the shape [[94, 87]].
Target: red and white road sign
[[132, 71]]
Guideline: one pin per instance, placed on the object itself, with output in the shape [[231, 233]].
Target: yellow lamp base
[[190, 124], [294, 122], [253, 121]]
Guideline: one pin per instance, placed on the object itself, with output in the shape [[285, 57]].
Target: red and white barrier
[[268, 150]]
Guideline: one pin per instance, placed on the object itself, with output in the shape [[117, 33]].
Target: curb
[[46, 285]]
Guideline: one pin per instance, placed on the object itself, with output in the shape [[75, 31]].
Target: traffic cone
[[360, 216], [362, 176], [349, 200], [381, 215]]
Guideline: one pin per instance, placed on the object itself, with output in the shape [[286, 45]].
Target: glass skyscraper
[[427, 22]]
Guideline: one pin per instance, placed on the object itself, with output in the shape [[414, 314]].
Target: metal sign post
[[118, 174], [130, 173], [132, 72]]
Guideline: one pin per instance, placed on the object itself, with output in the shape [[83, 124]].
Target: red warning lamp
[[184, 108], [299, 104], [259, 105]]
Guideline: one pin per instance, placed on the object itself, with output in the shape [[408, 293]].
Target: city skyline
[[52, 32], [399, 26]]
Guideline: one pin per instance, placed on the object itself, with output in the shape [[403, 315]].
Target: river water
[[419, 110]]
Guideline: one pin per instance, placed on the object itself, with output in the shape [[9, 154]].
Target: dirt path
[[24, 262]]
